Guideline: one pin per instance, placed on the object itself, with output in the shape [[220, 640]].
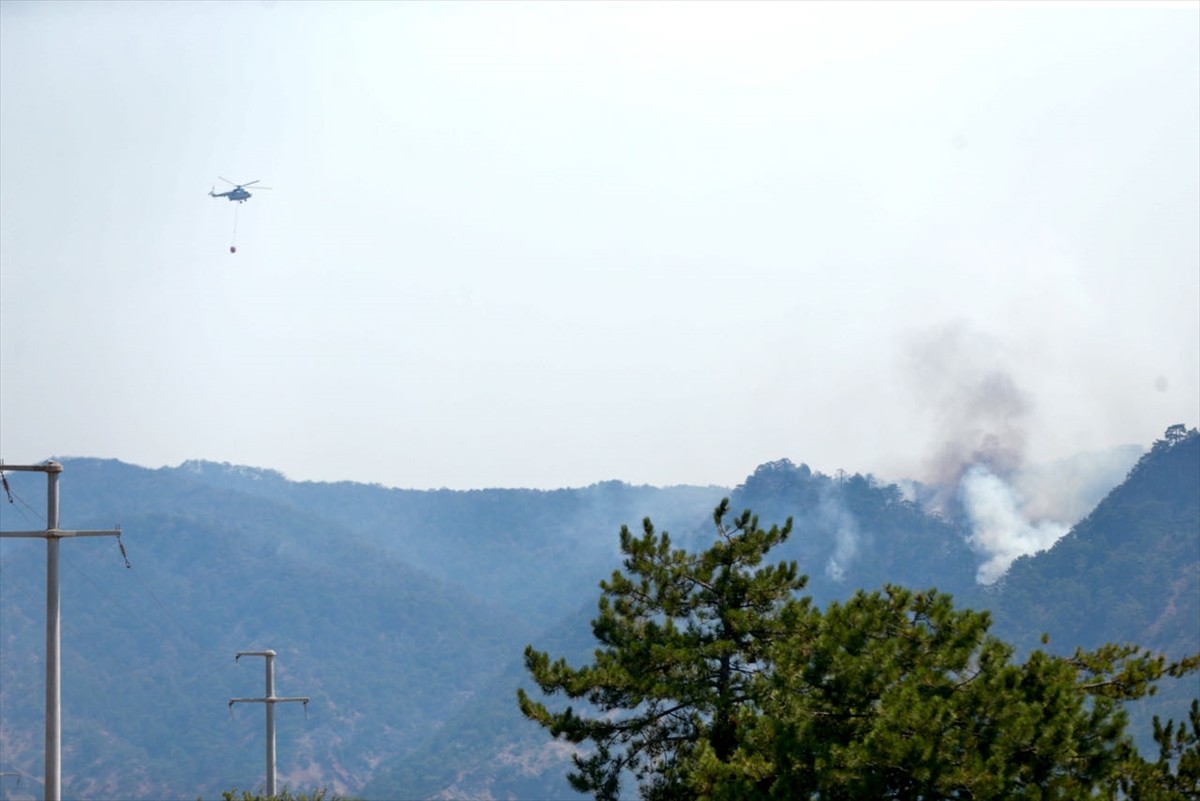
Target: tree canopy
[[683, 637], [715, 679]]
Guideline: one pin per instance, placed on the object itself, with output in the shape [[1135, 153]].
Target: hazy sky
[[543, 245]]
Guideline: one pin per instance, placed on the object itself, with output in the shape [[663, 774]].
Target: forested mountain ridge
[[148, 651], [852, 531], [391, 609], [403, 613], [1128, 572], [877, 535], [473, 538]]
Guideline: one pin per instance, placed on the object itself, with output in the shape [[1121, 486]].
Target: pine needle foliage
[[714, 679], [683, 638], [320, 794], [898, 695]]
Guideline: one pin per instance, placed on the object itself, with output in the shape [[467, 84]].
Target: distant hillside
[[853, 531], [148, 651], [491, 543], [1128, 572], [850, 532], [403, 614], [392, 609]]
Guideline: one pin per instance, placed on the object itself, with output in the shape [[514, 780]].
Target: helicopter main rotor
[[243, 186]]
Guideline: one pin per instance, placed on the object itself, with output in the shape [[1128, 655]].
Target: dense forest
[[404, 614]]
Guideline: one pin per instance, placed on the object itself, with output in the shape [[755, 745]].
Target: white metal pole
[[269, 700], [53, 781], [270, 705]]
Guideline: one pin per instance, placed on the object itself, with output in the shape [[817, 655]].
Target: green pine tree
[[898, 695], [714, 680], [683, 638]]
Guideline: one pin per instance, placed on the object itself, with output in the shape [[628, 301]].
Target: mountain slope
[[403, 614], [848, 532], [491, 543], [384, 650], [875, 536], [1128, 572], [852, 531]]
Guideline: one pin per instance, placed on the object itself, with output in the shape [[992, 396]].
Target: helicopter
[[238, 192]]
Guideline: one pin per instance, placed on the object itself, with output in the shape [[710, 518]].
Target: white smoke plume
[[1000, 530], [980, 411], [834, 516]]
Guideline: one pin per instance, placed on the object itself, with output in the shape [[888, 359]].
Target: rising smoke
[[980, 415], [832, 515], [1000, 531]]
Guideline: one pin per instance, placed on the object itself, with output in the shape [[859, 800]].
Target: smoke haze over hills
[[402, 612], [963, 381], [546, 245]]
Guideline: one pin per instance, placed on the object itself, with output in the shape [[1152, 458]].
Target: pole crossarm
[[58, 533], [276, 699], [240, 654]]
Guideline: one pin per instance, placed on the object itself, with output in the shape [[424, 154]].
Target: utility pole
[[269, 701], [52, 535]]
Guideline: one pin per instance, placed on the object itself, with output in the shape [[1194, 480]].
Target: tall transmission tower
[[52, 535], [269, 701]]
